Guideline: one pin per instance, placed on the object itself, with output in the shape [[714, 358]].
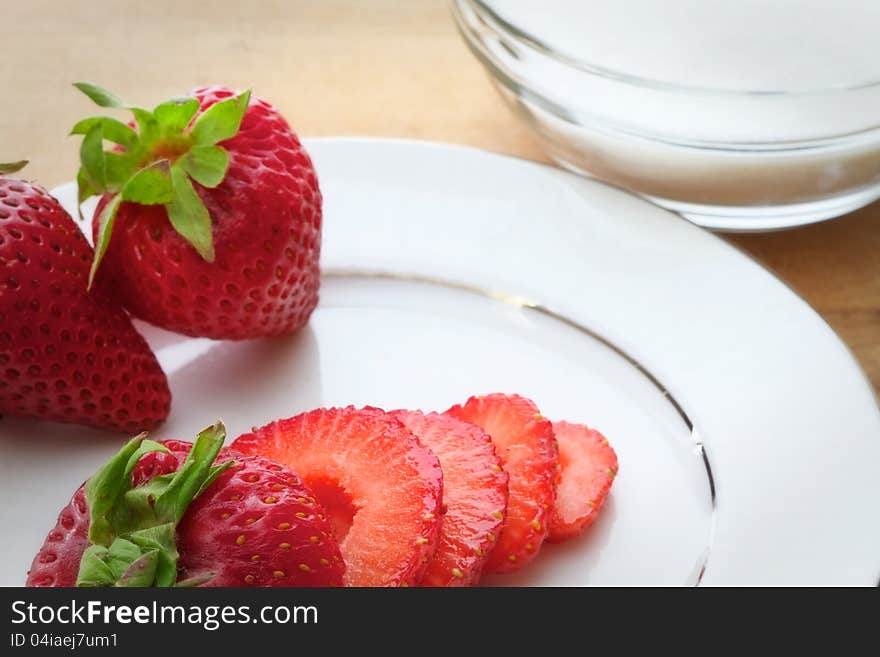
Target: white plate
[[748, 438]]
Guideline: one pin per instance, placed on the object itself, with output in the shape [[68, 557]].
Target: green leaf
[[220, 121], [215, 472], [188, 214], [91, 153], [120, 556], [138, 507], [147, 492], [105, 232], [124, 563], [150, 186], [172, 504], [206, 164], [161, 539], [104, 490], [93, 570], [133, 530], [146, 447], [84, 190], [113, 130], [148, 126], [174, 115], [99, 95], [142, 571], [118, 168], [11, 167]]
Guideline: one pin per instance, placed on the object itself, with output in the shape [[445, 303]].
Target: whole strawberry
[[210, 218], [162, 514], [65, 354]]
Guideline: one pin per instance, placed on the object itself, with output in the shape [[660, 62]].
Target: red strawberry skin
[[588, 466], [380, 485], [474, 496], [66, 354], [266, 217], [256, 525], [152, 465], [525, 443], [57, 562]]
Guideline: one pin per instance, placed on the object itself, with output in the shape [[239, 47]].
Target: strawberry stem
[[132, 530], [174, 145]]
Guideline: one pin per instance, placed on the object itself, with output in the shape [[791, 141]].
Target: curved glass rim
[[661, 85]]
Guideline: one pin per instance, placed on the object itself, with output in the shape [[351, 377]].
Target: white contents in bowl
[[738, 45], [743, 115]]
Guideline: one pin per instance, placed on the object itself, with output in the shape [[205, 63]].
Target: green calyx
[[157, 163], [132, 530], [11, 167]]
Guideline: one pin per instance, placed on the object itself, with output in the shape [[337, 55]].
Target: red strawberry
[[214, 211], [254, 524], [474, 496], [524, 442], [588, 467], [66, 354], [381, 487], [57, 562], [259, 526], [152, 465]]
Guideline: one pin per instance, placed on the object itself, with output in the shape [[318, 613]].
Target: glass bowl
[[755, 115]]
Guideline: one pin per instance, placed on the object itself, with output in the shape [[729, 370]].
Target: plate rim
[[707, 232], [835, 350]]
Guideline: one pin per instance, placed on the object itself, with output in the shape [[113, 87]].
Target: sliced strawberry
[[588, 467], [257, 525], [474, 495], [524, 441], [382, 489]]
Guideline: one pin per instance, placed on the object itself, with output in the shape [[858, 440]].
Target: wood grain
[[346, 67]]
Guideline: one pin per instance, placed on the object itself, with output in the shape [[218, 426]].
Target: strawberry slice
[[381, 488], [524, 441], [588, 467], [474, 495]]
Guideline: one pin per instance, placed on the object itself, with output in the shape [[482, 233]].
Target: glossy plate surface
[[748, 439]]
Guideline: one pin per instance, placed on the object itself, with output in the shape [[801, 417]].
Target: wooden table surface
[[345, 67]]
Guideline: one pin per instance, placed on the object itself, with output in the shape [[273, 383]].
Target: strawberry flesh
[[474, 496], [588, 468], [261, 526], [524, 441], [381, 487]]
